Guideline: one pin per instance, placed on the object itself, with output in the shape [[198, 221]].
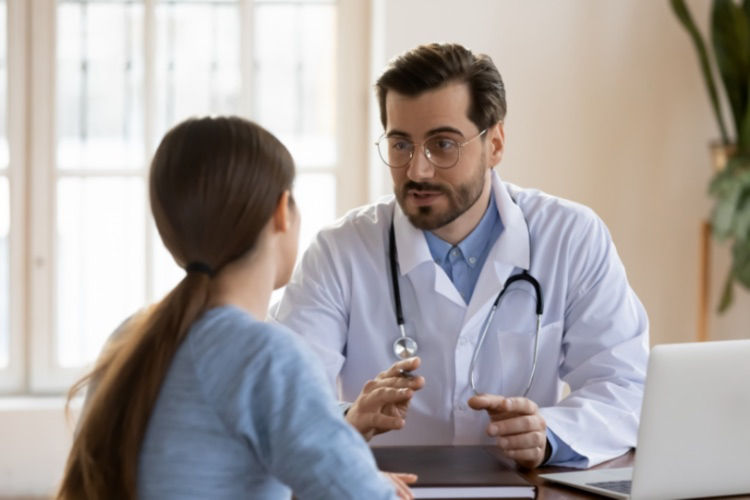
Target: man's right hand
[[383, 402]]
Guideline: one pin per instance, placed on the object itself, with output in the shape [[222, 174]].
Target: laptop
[[694, 435]]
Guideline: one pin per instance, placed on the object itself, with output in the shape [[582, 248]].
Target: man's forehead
[[443, 107]]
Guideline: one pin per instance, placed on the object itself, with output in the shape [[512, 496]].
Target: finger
[[529, 457], [414, 382], [406, 477], [375, 399], [386, 395], [522, 441], [520, 405], [402, 489], [517, 425], [498, 405], [490, 402], [380, 422], [404, 365]]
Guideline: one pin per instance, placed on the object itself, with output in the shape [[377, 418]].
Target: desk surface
[[547, 490]]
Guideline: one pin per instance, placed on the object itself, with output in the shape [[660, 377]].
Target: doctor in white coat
[[460, 233]]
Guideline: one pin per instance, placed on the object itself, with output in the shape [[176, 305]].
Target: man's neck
[[460, 228]]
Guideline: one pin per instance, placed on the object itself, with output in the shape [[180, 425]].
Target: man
[[459, 234]]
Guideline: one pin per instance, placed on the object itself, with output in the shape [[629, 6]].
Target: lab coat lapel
[[510, 251], [413, 252]]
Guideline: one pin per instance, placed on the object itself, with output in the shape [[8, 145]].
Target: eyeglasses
[[440, 150]]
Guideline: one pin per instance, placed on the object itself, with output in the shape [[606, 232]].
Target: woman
[[197, 397]]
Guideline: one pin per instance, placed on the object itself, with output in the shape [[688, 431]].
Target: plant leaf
[[683, 15], [727, 188], [741, 261], [730, 35], [741, 227], [743, 133], [722, 217], [727, 295]]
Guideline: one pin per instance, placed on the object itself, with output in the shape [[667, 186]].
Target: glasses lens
[[442, 151], [395, 151]]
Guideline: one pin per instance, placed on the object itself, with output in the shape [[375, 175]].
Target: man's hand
[[383, 402], [520, 430]]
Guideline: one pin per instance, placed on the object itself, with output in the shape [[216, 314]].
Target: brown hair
[[214, 184], [429, 67]]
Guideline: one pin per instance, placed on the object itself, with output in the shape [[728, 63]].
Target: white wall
[[34, 445], [606, 106]]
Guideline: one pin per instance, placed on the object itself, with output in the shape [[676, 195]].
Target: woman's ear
[[282, 215]]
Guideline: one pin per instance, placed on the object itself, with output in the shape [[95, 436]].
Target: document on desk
[[456, 471]]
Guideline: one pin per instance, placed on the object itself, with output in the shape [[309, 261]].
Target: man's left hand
[[520, 430]]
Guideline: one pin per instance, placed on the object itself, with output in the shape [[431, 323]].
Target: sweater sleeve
[[269, 389]]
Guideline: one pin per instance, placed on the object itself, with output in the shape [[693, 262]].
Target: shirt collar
[[475, 242]]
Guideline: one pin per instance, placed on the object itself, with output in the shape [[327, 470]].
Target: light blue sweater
[[245, 412]]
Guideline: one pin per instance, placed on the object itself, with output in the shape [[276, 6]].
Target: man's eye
[[444, 144], [400, 145]]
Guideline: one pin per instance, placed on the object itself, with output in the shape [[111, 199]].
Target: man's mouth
[[423, 196]]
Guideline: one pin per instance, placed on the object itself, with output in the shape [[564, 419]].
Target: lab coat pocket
[[511, 346]]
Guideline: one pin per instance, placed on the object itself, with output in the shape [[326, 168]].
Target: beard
[[460, 198]]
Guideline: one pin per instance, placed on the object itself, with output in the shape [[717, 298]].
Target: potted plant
[[730, 186]]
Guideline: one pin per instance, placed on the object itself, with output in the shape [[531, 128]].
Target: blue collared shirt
[[463, 263]]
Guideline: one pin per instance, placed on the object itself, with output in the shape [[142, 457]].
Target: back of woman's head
[[214, 186]]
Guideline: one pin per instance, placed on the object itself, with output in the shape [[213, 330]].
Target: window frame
[[32, 354], [12, 377]]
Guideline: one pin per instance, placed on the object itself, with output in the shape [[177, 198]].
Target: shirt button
[[463, 341], [454, 252], [461, 407], [472, 260]]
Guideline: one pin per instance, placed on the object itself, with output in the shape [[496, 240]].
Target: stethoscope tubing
[[400, 344]]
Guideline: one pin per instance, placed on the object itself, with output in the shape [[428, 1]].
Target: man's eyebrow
[[443, 129], [429, 133], [397, 133]]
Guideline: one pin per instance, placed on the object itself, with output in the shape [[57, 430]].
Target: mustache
[[423, 186]]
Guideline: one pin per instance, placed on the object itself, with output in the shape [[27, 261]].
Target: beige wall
[[606, 106]]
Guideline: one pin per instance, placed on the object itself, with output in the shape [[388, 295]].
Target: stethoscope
[[406, 347]]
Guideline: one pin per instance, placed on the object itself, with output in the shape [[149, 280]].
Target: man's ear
[[496, 134], [282, 214]]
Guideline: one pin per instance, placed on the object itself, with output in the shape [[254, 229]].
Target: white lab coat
[[594, 329]]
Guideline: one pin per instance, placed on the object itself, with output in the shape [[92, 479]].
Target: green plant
[[730, 44]]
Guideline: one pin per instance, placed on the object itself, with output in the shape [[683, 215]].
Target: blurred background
[[606, 106]]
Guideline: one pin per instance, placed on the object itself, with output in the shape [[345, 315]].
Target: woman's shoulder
[[228, 335]]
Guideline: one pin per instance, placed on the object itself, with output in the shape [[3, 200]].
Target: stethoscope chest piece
[[404, 347]]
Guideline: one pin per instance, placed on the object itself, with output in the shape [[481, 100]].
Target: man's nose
[[419, 167]]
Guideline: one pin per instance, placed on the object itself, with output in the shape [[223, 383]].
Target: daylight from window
[[109, 259]]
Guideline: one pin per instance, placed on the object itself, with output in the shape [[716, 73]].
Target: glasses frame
[[424, 151]]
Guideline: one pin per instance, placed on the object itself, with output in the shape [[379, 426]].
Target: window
[[12, 155], [4, 197], [108, 78]]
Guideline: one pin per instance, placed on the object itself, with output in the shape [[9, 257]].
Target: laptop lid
[[694, 435]]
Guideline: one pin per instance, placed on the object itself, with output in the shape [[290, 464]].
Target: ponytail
[[103, 462]]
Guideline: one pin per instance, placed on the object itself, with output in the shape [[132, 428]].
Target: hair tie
[[199, 267]]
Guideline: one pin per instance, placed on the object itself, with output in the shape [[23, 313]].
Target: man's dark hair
[[432, 66]]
